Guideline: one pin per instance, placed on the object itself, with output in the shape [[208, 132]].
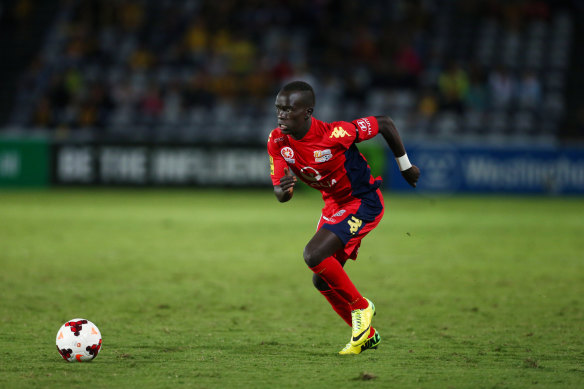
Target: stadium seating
[[188, 71]]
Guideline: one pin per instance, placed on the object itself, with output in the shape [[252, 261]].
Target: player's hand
[[288, 181], [411, 175]]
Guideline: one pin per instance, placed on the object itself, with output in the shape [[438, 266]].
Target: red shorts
[[352, 221]]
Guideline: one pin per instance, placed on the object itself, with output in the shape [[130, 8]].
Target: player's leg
[[339, 304], [342, 308], [318, 255]]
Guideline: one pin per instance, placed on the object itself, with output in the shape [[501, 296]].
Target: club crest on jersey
[[339, 132], [322, 155], [288, 154], [364, 126]]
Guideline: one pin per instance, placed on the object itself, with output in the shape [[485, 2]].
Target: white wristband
[[403, 162]]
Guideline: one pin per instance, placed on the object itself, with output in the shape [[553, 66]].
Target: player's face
[[292, 114]]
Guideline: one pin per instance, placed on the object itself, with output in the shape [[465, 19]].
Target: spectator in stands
[[357, 84], [242, 55], [101, 99], [74, 82], [43, 114], [173, 103], [196, 38], [453, 87], [476, 98], [282, 70], [152, 104], [87, 114], [408, 64], [428, 104], [198, 93], [501, 87], [123, 94], [141, 58], [529, 92], [100, 59]]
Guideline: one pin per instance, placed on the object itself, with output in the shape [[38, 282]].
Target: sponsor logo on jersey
[[280, 139], [364, 126], [332, 219], [310, 173], [329, 219], [288, 154], [322, 155], [339, 132], [313, 178]]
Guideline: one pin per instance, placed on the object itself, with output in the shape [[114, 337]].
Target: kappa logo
[[288, 154], [339, 132], [364, 125], [354, 224], [322, 155]]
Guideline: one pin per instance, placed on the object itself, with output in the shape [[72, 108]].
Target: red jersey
[[327, 159]]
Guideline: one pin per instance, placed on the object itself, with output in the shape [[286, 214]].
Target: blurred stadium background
[[488, 94]]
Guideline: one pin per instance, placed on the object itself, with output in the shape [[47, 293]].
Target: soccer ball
[[78, 340]]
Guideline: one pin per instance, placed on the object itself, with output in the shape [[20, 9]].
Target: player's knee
[[319, 283], [312, 257]]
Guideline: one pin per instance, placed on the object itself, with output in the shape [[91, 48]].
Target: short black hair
[[301, 86]]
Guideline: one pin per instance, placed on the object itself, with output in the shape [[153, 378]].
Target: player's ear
[[309, 112]]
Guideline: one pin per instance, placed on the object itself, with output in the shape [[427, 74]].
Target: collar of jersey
[[308, 134]]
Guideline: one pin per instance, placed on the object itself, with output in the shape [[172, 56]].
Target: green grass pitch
[[208, 289]]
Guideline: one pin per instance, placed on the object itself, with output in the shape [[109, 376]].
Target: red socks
[[333, 273], [339, 304]]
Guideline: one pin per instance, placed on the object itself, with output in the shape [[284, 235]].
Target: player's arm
[[285, 190], [387, 129], [282, 178]]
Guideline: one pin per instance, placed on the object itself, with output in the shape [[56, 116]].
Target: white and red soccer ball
[[78, 340]]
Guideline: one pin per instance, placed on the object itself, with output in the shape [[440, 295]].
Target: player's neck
[[300, 134]]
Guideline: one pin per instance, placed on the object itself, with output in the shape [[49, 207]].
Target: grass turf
[[208, 289]]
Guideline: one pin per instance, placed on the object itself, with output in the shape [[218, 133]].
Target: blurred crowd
[[155, 67]]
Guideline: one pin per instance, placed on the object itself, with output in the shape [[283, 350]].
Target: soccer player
[[325, 156]]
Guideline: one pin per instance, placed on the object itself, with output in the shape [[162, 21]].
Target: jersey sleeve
[[277, 162], [366, 128], [342, 133]]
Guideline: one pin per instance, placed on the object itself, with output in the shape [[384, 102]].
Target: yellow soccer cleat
[[371, 343], [361, 324]]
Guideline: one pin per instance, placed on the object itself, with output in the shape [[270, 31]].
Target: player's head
[[304, 88], [294, 107]]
